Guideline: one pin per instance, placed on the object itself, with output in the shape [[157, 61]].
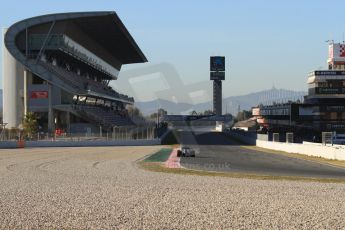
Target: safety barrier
[[22, 144], [334, 152], [317, 150]]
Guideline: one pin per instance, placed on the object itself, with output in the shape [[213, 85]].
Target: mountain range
[[230, 104]]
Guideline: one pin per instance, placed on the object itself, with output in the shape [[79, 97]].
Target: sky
[[266, 42]]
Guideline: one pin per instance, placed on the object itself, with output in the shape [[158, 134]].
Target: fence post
[[327, 138], [275, 137], [289, 137]]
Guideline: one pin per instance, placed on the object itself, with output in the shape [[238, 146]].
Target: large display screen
[[217, 63]]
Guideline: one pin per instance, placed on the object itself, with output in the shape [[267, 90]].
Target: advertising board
[[220, 76], [38, 94]]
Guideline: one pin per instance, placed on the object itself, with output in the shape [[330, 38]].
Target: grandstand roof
[[105, 27]]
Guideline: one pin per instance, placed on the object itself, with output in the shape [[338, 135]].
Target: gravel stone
[[103, 188]]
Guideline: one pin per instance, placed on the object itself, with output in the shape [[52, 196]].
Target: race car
[[185, 152]]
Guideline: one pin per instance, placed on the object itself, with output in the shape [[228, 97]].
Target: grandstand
[[59, 66]]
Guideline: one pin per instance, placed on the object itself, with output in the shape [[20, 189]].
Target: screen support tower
[[217, 97], [217, 75]]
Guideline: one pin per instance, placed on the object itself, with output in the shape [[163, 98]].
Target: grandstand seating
[[81, 83], [99, 114], [60, 73], [104, 116]]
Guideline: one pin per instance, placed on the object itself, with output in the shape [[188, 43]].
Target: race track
[[217, 152]]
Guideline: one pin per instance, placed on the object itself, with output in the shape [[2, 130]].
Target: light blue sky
[[265, 42]]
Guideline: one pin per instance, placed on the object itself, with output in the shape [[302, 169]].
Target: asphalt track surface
[[217, 152]]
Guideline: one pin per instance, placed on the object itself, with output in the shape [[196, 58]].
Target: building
[[246, 125], [59, 66], [323, 108]]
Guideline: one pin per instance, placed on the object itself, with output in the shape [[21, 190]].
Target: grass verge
[[161, 156], [159, 167]]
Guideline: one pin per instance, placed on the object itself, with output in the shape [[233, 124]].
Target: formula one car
[[185, 152]]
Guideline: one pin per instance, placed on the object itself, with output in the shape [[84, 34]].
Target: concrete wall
[[310, 149], [335, 152], [13, 84], [243, 136], [14, 144]]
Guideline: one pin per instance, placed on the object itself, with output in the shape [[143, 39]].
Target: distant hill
[[150, 107], [230, 104]]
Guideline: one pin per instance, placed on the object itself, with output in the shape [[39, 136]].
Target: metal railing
[[68, 45], [117, 133]]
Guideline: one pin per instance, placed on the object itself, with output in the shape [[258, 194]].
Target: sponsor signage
[[275, 112], [335, 108], [256, 111], [217, 76], [193, 118], [324, 90], [337, 51], [217, 63], [335, 126], [328, 73], [39, 94]]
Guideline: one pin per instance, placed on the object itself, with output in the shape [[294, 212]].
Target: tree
[[134, 112], [30, 124], [208, 112], [193, 113], [243, 115], [160, 111]]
